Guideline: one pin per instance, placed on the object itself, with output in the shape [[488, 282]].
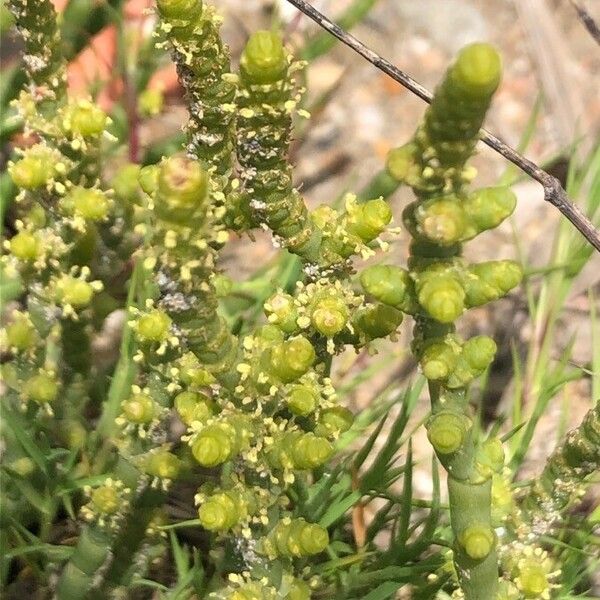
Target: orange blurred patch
[[94, 67], [390, 86], [381, 148]]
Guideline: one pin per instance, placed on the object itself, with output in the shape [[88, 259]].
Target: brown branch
[[553, 190], [588, 21]]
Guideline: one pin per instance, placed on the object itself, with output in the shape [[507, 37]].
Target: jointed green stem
[[43, 58], [573, 460], [202, 61], [433, 164]]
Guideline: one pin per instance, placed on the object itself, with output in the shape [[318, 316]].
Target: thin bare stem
[[553, 190], [588, 21]]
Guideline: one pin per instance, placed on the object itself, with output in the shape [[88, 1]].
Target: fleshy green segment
[[434, 161], [202, 61], [266, 102], [267, 98], [296, 538], [264, 59]]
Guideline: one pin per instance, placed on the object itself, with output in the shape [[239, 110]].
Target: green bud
[[298, 590], [441, 296], [329, 315], [36, 216], [154, 326], [301, 451], [74, 292], [476, 355], [41, 388], [163, 464], [302, 400], [502, 498], [377, 320], [532, 578], [479, 352], [182, 190], [402, 164], [491, 280], [438, 360], [23, 466], [148, 178], [368, 220], [268, 335], [35, 169], [488, 207], [222, 284], [264, 59], [323, 216], [218, 442], [252, 591], [333, 421], [139, 409], [84, 118], [308, 451], [386, 283], [447, 431], [289, 360], [281, 311], [26, 246], [179, 9], [74, 434], [490, 458], [89, 203], [192, 373], [213, 446], [477, 70], [21, 333], [477, 541], [442, 220], [106, 500], [222, 510], [297, 538], [125, 183], [193, 406]]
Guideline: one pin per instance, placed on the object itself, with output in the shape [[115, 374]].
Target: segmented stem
[[573, 460], [202, 61], [267, 99], [433, 164], [44, 62]]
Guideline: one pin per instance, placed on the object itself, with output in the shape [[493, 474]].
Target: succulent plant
[[245, 411]]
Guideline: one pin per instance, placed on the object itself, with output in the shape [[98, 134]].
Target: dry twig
[[587, 20], [553, 190]]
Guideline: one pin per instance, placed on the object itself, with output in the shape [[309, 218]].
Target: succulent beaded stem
[[202, 61], [185, 226], [573, 460], [444, 216], [45, 65], [267, 99]]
